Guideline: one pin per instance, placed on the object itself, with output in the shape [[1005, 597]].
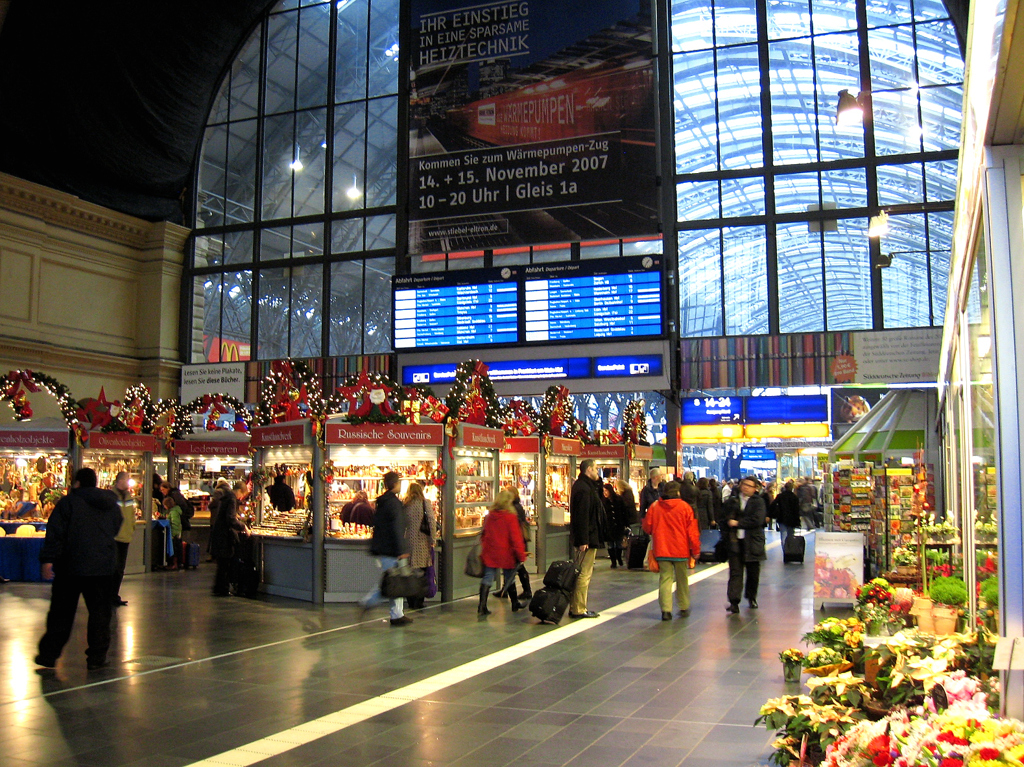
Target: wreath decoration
[[327, 471], [519, 418], [368, 398], [439, 477], [472, 398], [20, 383], [290, 392]]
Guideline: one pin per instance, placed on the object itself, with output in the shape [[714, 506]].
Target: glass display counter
[[520, 468], [558, 470], [34, 472], [200, 462]]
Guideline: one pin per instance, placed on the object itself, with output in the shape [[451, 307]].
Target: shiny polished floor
[[278, 682]]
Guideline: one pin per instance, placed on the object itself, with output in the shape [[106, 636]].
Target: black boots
[[482, 607], [514, 598], [524, 578]]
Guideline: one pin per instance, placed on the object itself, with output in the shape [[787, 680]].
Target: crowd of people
[[90, 530]]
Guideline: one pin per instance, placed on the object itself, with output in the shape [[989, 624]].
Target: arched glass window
[[297, 186], [774, 197]]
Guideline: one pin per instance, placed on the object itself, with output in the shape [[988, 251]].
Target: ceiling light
[[353, 192], [878, 225], [296, 164], [850, 110]]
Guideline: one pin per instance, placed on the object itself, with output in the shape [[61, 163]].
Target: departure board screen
[[456, 309], [591, 300]]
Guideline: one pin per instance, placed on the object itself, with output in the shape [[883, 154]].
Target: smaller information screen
[[711, 410], [592, 300], [455, 311]]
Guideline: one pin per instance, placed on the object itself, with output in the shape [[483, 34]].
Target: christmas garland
[[634, 423], [213, 405], [472, 399], [519, 418], [558, 415], [20, 383], [290, 392], [139, 414], [368, 398]]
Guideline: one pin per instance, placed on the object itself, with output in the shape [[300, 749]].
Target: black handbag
[[404, 582], [425, 524]]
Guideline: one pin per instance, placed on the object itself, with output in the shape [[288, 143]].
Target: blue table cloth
[[19, 558], [163, 527], [11, 526]]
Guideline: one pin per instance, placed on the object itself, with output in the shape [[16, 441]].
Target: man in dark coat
[[226, 532], [585, 515], [651, 492], [388, 544], [80, 554], [745, 515], [785, 510]]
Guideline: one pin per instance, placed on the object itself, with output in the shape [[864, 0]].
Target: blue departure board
[[456, 312], [788, 408], [711, 410], [594, 301]]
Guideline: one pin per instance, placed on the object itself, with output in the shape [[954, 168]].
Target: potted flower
[[792, 662], [905, 560], [948, 596], [990, 597], [986, 532], [824, 661], [875, 617]]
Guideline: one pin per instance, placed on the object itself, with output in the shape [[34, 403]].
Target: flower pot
[[791, 670], [906, 570], [922, 608], [944, 619]]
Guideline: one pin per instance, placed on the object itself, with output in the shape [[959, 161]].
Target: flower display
[[841, 634], [823, 656], [877, 592], [904, 556], [950, 739], [792, 655]]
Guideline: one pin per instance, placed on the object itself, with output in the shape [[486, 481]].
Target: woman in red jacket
[[673, 527], [501, 548]]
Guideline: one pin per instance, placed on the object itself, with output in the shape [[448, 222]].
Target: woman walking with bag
[[524, 526], [501, 548], [673, 527], [420, 531]]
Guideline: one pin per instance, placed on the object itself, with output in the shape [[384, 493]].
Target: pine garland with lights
[[213, 405], [140, 415], [291, 391], [634, 423], [472, 398], [519, 417], [558, 414], [368, 398], [20, 383]]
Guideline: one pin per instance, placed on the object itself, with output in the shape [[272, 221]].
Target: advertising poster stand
[[110, 452], [472, 465], [838, 568], [521, 463], [358, 456], [559, 470], [289, 545]]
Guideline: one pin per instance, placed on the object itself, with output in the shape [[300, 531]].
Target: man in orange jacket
[[676, 541]]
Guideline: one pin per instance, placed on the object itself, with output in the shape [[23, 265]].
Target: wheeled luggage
[[549, 605], [708, 557], [793, 549], [561, 575], [190, 555], [636, 551], [248, 584]]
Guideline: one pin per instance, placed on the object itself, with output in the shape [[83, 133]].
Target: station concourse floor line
[[286, 740]]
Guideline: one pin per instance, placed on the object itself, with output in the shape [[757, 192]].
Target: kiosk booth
[[520, 468], [34, 473], [288, 542], [558, 470], [198, 461], [610, 460], [472, 466], [108, 453], [640, 457], [358, 457]]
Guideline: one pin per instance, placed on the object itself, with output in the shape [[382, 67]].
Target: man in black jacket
[[651, 492], [388, 544], [80, 554], [585, 510], [745, 515]]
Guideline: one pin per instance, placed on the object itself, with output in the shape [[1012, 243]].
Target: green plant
[[937, 556], [796, 716], [948, 591], [990, 592], [904, 556], [823, 656]]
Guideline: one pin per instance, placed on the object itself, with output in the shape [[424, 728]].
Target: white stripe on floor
[[302, 734]]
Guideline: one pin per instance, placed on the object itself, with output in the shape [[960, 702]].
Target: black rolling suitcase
[[793, 549], [636, 551], [561, 576], [549, 605]]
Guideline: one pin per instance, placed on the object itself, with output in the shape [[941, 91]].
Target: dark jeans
[[61, 617], [225, 571], [122, 562], [737, 567]]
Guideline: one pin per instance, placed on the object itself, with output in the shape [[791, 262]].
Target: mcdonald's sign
[[217, 349]]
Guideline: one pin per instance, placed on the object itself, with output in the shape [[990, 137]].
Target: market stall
[[202, 459], [358, 456], [520, 468], [287, 535], [558, 471], [471, 462], [610, 460], [640, 457], [108, 453]]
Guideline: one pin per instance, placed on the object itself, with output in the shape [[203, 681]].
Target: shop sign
[[279, 435], [481, 436], [225, 378], [35, 440], [143, 443], [200, 447], [521, 445], [604, 451], [643, 452], [385, 434], [563, 446]]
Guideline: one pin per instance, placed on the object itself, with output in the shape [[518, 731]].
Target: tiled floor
[[195, 678]]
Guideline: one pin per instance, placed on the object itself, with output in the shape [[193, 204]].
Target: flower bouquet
[[840, 634], [792, 661], [824, 661], [905, 560]]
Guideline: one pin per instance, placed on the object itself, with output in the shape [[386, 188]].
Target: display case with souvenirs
[[519, 470], [201, 463], [474, 488], [282, 492], [31, 483], [108, 454], [558, 484]]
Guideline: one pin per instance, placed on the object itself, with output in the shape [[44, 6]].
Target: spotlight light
[[353, 192], [296, 165], [850, 109], [878, 225]]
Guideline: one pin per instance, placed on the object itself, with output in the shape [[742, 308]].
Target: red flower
[[989, 754], [951, 761], [948, 737]]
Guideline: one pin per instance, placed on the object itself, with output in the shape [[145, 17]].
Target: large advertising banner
[[838, 567], [526, 129]]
